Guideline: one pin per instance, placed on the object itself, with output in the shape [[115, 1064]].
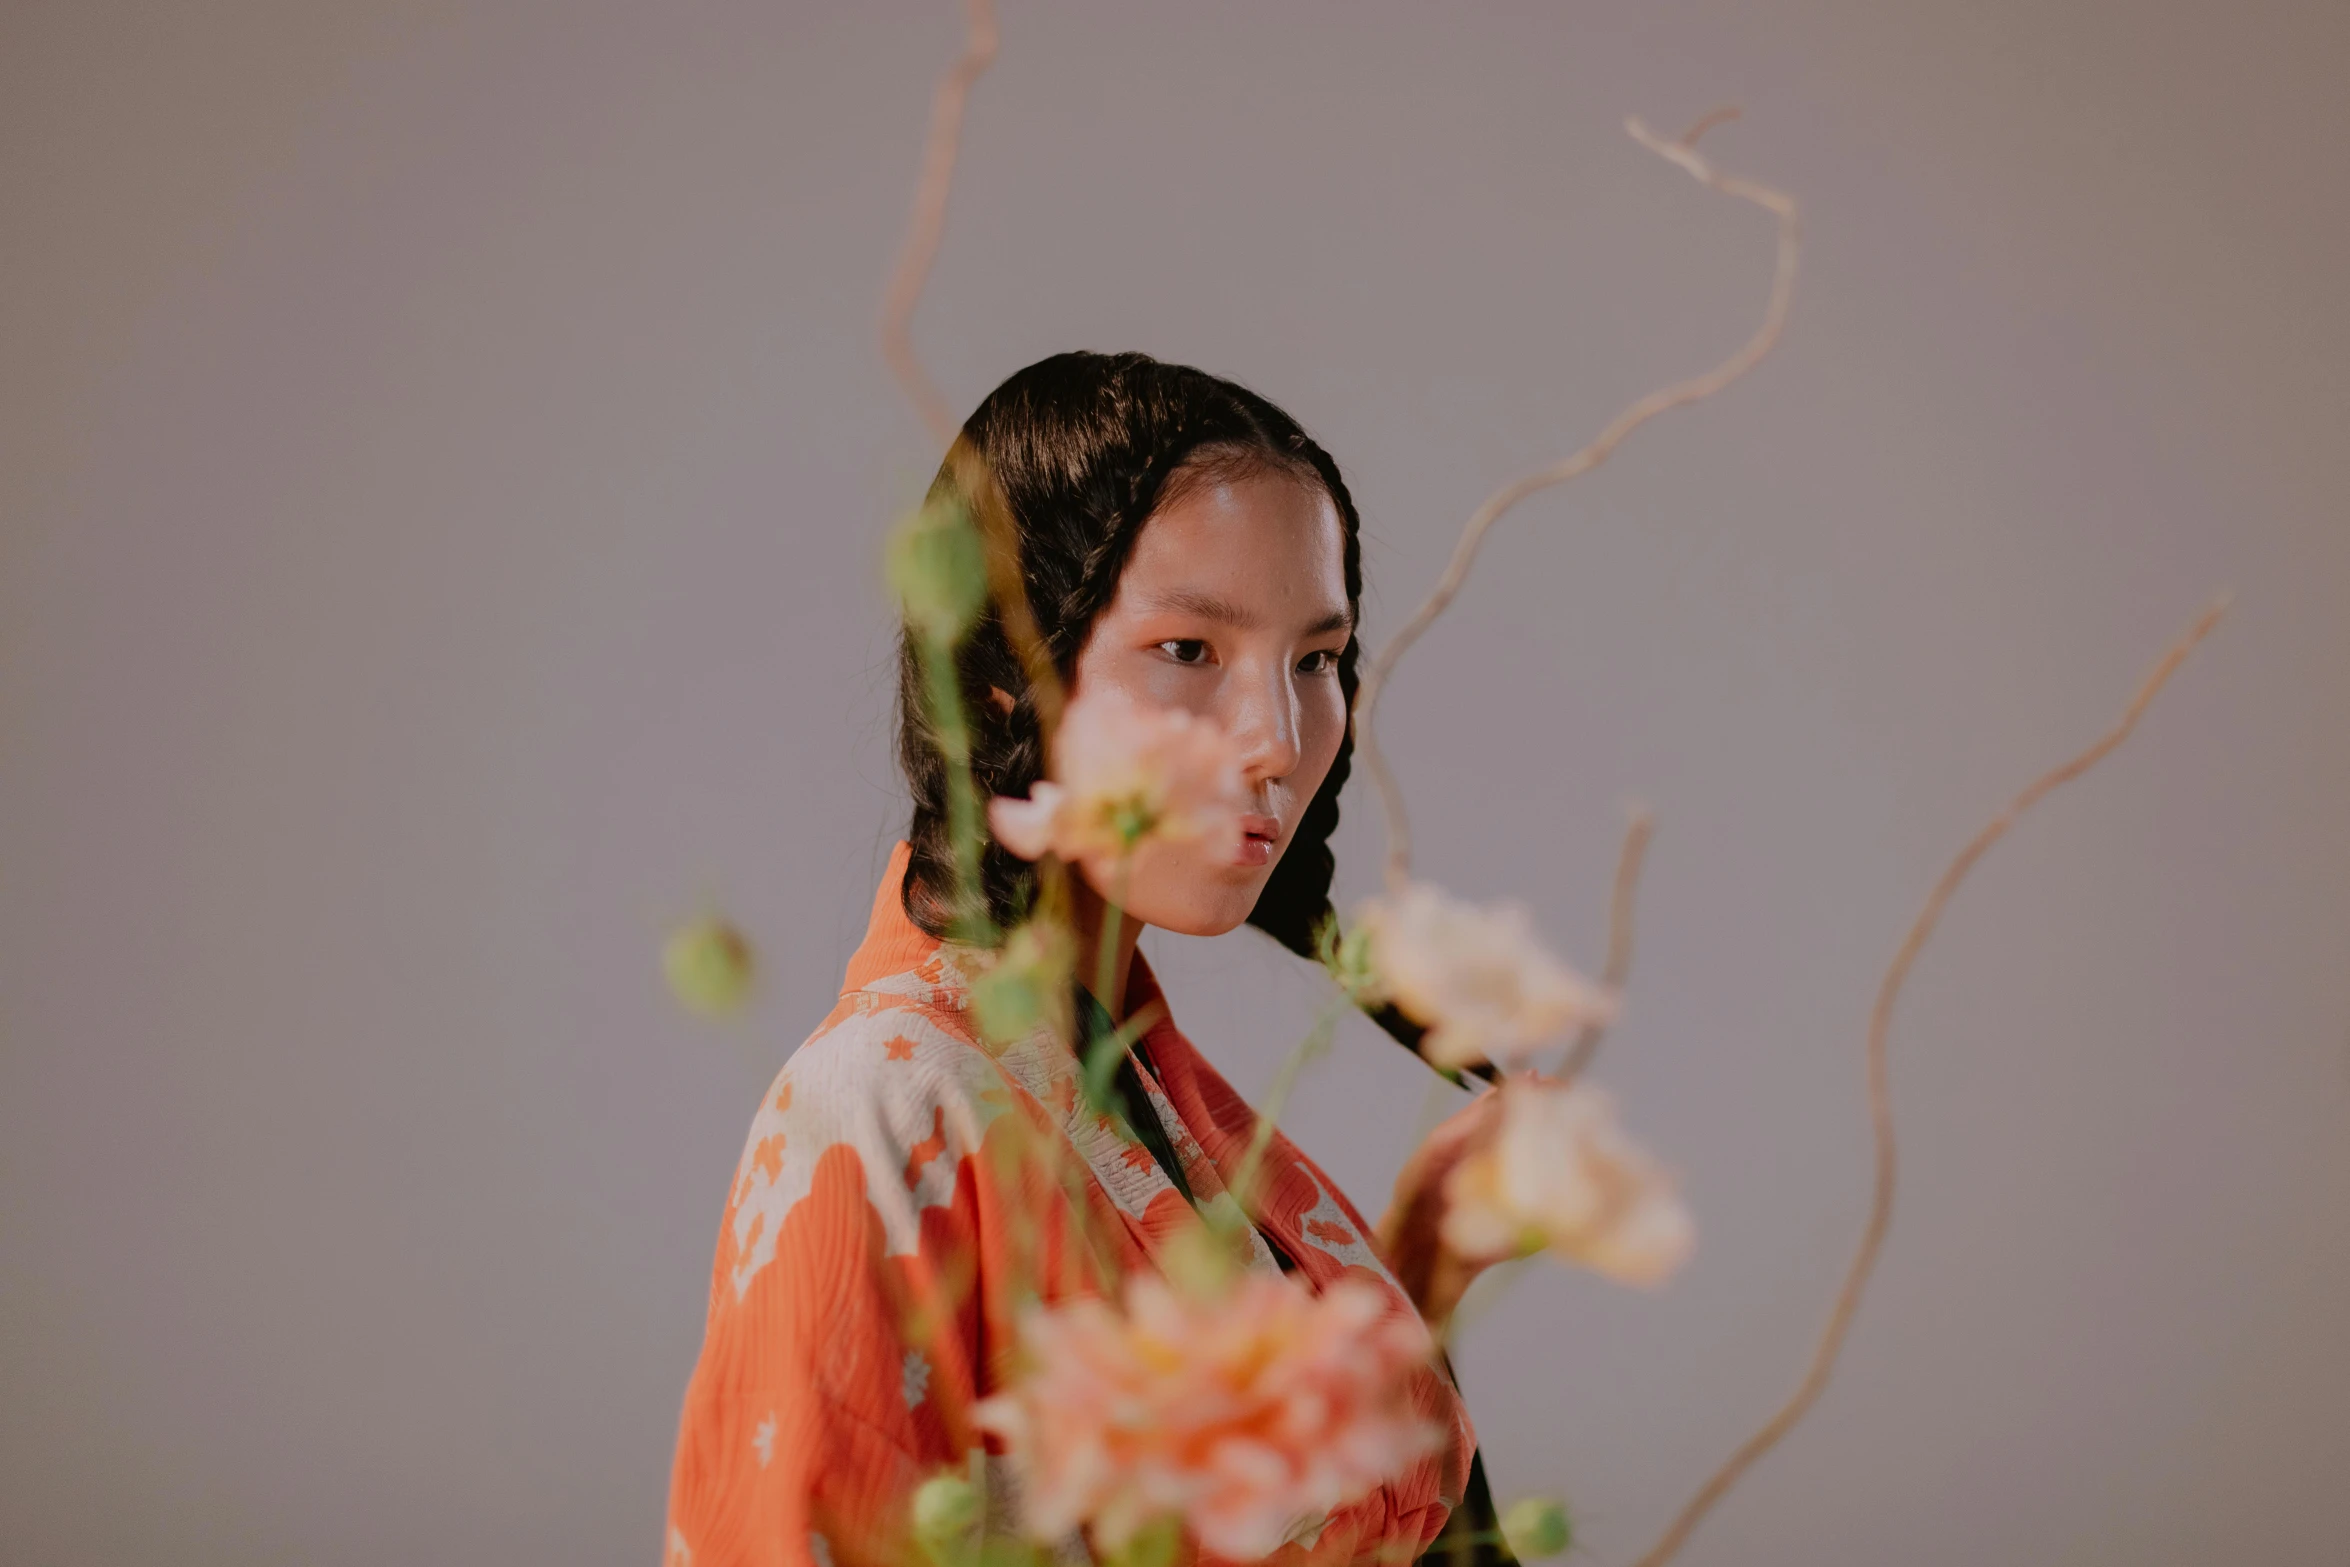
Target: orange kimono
[[889, 1221]]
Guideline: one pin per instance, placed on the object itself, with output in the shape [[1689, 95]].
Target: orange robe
[[905, 1191]]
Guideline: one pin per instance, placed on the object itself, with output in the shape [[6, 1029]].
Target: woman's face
[[1233, 606]]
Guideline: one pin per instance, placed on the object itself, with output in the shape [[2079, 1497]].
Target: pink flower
[[1478, 978], [1560, 1176], [1247, 1413], [1123, 773]]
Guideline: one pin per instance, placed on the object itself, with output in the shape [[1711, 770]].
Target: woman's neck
[[1089, 915]]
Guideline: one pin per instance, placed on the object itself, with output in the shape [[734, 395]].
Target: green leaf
[[1155, 1544]]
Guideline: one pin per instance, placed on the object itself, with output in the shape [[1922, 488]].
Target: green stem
[[1483, 1293], [1105, 963], [1105, 967], [965, 822], [1101, 1055], [1293, 1066]]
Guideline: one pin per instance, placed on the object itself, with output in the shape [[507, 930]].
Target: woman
[[1183, 544]]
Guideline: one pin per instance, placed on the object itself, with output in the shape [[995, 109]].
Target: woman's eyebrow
[[1223, 612]]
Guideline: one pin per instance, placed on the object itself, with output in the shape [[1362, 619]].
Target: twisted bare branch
[[1681, 394], [1637, 832], [927, 224], [1872, 1239]]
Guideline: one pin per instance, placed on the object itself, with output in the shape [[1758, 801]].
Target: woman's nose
[[1263, 725]]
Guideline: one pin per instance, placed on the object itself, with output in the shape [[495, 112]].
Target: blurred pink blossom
[[1560, 1176], [1123, 773], [1478, 978], [1248, 1412]]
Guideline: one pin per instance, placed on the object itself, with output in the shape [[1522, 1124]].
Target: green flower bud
[[947, 1516], [1537, 1526], [709, 967], [938, 568], [1347, 955]]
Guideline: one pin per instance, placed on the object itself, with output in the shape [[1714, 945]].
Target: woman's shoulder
[[883, 1044], [880, 1106]]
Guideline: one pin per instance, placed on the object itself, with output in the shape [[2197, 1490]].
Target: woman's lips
[[1260, 835]]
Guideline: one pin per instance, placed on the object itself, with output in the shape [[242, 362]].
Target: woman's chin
[[1202, 922], [1202, 905], [1178, 887]]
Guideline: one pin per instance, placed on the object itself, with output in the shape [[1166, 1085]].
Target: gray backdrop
[[443, 453]]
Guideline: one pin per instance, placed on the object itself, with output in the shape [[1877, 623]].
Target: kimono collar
[[894, 945]]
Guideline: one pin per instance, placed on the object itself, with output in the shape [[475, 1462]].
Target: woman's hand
[[1411, 1235]]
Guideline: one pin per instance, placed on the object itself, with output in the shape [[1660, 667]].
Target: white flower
[[1123, 773], [1478, 978], [1559, 1176]]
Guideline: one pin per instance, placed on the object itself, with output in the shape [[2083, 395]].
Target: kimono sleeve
[[844, 1339]]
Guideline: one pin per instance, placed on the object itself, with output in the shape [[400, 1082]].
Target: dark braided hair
[[1082, 449]]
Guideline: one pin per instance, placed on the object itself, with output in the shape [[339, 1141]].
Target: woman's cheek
[[1322, 722], [1182, 887]]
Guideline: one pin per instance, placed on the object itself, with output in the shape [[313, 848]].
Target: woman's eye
[[1320, 662], [1185, 650]]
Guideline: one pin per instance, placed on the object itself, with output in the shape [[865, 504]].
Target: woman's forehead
[[1253, 550]]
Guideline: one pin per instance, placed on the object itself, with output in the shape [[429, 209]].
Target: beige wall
[[442, 453]]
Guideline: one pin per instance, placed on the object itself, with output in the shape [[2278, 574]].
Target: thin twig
[[925, 231], [1483, 1294], [1679, 395], [1302, 1055], [1872, 1239], [1637, 832], [927, 225]]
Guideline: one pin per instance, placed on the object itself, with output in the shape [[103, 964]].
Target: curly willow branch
[[1679, 395], [925, 231], [1872, 1239], [927, 225], [1637, 832]]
